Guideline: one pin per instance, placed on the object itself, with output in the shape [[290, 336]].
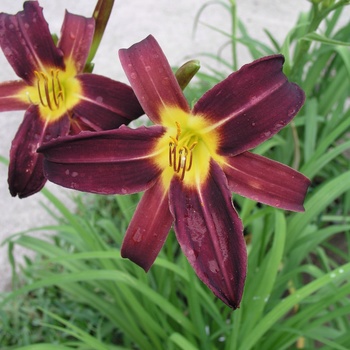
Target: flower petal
[[27, 43], [251, 105], [148, 228], [116, 161], [105, 103], [266, 181], [152, 79], [210, 233], [26, 165], [11, 96], [76, 37]]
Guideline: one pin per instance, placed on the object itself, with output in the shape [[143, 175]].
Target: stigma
[[49, 89]]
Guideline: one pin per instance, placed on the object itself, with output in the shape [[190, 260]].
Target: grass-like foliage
[[79, 294]]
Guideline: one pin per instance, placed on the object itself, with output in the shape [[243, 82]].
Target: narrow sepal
[[152, 79], [11, 96], [266, 181], [26, 175], [210, 233], [27, 43], [251, 105], [76, 38], [148, 228], [107, 162], [105, 103]]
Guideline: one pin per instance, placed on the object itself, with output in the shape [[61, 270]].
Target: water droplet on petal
[[291, 111], [213, 266], [137, 237], [99, 99]]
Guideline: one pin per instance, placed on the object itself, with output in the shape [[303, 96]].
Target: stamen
[[170, 153], [178, 131], [180, 156], [190, 151], [49, 88]]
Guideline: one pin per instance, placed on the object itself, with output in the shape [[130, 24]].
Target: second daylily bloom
[[189, 162], [59, 98]]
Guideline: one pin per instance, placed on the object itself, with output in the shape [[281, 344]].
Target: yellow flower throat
[[54, 90], [186, 148]]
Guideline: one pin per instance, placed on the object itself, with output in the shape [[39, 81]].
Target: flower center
[[49, 89], [186, 147], [55, 91], [180, 153]]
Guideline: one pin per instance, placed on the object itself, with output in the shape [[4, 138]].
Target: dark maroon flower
[[58, 98], [189, 162]]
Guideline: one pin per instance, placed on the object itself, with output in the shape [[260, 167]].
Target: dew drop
[[75, 174], [291, 111], [277, 203], [67, 172], [332, 275], [7, 51], [148, 68], [26, 25], [133, 75], [267, 133], [213, 266], [137, 236], [341, 271], [253, 124], [99, 99]]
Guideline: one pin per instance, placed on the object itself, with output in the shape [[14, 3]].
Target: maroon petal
[[105, 103], [251, 105], [266, 181], [152, 79], [27, 43], [116, 161], [26, 165], [76, 38], [11, 96], [148, 228], [210, 233]]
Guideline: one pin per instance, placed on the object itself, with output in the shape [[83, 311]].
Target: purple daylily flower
[[58, 97], [189, 162]]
